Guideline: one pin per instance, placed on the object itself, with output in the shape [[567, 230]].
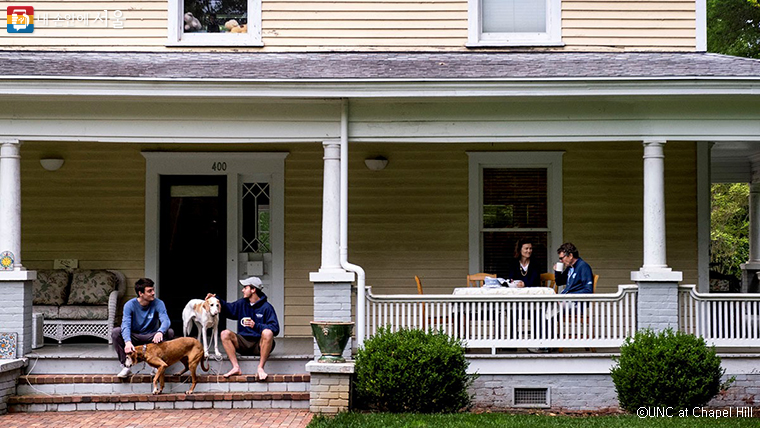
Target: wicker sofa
[[77, 302]]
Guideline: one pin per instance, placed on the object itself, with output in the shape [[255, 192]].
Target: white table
[[503, 291]]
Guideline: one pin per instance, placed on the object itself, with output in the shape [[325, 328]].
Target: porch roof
[[374, 66]]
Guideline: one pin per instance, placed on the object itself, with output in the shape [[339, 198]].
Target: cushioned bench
[[78, 302]]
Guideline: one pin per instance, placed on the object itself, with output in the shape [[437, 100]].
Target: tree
[[733, 27], [729, 228]]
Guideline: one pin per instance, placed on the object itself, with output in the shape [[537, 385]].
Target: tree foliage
[[729, 228], [733, 27]]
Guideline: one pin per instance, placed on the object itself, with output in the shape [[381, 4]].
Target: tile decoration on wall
[[8, 343]]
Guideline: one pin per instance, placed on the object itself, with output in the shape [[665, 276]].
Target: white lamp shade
[[376, 164], [51, 164]]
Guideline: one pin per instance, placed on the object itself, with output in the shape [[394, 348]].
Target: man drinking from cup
[[257, 329], [572, 271]]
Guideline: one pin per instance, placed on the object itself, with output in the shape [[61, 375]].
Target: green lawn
[[384, 420]]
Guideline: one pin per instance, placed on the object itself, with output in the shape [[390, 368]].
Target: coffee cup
[[559, 266], [243, 320]]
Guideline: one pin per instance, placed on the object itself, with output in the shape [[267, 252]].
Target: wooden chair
[[547, 280], [419, 284], [477, 279], [596, 279]]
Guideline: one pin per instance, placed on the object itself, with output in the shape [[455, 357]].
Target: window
[[215, 22], [514, 195], [514, 23]]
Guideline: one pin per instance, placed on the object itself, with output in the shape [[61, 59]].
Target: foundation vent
[[530, 397]]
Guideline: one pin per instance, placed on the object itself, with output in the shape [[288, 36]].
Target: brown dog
[[164, 354]]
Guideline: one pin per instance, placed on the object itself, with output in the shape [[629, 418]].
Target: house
[[196, 155]]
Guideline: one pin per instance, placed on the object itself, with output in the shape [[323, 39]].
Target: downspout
[[360, 281]]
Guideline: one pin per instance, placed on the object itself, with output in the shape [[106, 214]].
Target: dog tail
[[204, 367]]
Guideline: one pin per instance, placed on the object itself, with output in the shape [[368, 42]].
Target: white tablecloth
[[485, 291]]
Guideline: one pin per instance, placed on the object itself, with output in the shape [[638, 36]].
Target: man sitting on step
[[257, 329], [145, 320]]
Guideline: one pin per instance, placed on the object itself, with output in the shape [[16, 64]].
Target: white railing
[[492, 321], [730, 320]]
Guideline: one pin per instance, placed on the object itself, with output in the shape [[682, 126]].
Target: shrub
[[666, 369], [412, 371]]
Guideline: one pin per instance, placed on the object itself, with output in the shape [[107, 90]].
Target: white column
[[654, 206], [331, 209], [754, 223], [750, 269], [10, 199], [657, 303], [332, 284], [15, 285]]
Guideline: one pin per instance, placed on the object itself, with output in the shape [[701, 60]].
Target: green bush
[[666, 369], [412, 371]]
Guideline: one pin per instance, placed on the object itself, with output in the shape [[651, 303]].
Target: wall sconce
[[376, 164], [51, 164]]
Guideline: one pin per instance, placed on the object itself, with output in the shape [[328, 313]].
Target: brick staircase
[[69, 392]]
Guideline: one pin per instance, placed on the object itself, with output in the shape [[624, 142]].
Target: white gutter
[[360, 281]]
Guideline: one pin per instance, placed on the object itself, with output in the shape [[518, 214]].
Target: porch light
[[51, 164], [376, 164]]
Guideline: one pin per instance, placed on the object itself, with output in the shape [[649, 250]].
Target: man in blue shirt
[[145, 320], [257, 328], [577, 275]]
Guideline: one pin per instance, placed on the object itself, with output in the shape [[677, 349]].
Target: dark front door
[[193, 241]]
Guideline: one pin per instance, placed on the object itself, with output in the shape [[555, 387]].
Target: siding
[[315, 25], [409, 219]]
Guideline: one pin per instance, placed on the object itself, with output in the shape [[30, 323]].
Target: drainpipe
[[360, 281]]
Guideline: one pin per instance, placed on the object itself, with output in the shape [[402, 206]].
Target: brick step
[[198, 400], [145, 378], [141, 384]]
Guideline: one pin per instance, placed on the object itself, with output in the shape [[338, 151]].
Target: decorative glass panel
[[256, 218], [215, 16], [514, 16]]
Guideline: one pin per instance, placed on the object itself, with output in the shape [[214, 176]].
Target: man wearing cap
[[257, 329]]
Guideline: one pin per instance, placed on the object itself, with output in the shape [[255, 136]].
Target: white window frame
[[177, 37], [552, 36], [552, 161]]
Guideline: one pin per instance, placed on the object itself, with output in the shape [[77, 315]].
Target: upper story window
[[515, 23], [215, 22]]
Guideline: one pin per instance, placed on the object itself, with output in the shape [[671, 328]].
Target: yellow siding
[[366, 25], [409, 219]]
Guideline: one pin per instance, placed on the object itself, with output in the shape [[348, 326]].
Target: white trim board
[[261, 166], [552, 161]]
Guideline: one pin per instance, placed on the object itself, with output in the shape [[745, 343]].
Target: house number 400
[[219, 166]]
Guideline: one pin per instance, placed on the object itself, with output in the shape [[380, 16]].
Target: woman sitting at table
[[521, 270]]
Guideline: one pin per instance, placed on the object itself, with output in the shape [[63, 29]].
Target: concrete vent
[[530, 397]]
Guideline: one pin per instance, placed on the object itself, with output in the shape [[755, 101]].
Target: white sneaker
[[124, 372]]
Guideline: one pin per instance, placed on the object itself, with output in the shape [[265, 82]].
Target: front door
[[193, 240]]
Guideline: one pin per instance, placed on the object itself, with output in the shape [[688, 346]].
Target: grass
[[484, 420]]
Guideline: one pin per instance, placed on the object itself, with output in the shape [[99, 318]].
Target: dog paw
[[188, 392], [218, 354], [205, 354], [156, 391]]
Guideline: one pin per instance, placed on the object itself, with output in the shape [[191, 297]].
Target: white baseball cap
[[253, 281]]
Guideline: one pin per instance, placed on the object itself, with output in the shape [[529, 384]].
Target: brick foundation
[[330, 386]]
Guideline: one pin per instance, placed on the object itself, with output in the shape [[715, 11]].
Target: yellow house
[[203, 141]]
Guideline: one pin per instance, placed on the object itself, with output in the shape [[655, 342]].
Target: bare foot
[[234, 371], [262, 374]]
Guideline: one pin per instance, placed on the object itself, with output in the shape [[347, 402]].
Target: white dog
[[205, 313]]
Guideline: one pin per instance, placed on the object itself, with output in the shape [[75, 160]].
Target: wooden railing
[[729, 320], [569, 320]]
